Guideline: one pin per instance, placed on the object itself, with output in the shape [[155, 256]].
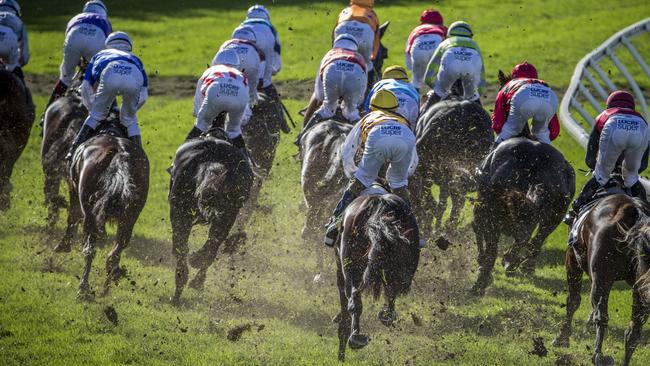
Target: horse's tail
[[334, 158], [385, 229], [520, 203], [117, 188], [210, 185], [639, 235]]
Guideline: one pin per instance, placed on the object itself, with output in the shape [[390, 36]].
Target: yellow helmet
[[396, 72], [364, 3], [385, 100]]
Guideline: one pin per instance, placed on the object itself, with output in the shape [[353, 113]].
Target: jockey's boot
[[432, 98], [82, 136], [404, 194], [31, 108], [136, 139], [638, 191], [59, 89], [315, 118], [478, 101], [584, 197], [273, 95], [194, 133], [332, 228], [240, 143]]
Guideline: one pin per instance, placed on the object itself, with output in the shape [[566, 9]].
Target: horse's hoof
[[443, 243], [197, 283], [477, 290], [341, 356], [84, 294], [357, 341], [602, 360], [561, 342], [63, 247], [387, 317], [117, 273]]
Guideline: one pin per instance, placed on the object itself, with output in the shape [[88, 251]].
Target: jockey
[[457, 58], [360, 20], [85, 35], [421, 44], [384, 137], [223, 88], [525, 97], [396, 80], [251, 58], [111, 72], [259, 19], [619, 133], [14, 45], [341, 75]]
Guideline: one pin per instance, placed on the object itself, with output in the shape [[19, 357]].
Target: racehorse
[[62, 120], [378, 250], [109, 181], [210, 182], [15, 125], [322, 180], [613, 244], [453, 137], [523, 192]]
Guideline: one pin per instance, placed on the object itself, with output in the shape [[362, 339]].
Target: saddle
[[111, 126]]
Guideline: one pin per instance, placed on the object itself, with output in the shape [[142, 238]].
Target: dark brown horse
[[62, 120], [109, 182], [453, 137], [322, 180], [15, 125], [378, 250], [524, 192], [613, 245], [211, 180]]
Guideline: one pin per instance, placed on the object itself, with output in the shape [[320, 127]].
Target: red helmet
[[524, 70], [431, 16], [620, 99]]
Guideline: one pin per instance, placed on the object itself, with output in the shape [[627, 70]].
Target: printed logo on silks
[[122, 69], [353, 30], [462, 54], [87, 31], [390, 130], [539, 92], [241, 50], [344, 66], [627, 124], [427, 45], [228, 89]]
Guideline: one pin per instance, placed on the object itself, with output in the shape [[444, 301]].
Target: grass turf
[[268, 285]]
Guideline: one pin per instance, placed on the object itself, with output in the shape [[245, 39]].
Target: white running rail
[[590, 85]]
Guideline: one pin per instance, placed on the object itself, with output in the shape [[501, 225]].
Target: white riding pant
[[391, 143], [251, 66], [83, 40], [9, 52], [345, 80], [532, 101], [408, 107], [623, 135], [459, 63], [265, 40], [118, 78], [364, 35], [224, 95], [418, 59]]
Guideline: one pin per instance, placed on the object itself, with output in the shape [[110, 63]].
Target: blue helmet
[[228, 57], [346, 41], [258, 11], [11, 6], [119, 41], [96, 6], [244, 32]]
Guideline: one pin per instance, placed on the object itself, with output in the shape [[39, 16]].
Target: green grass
[[42, 323]]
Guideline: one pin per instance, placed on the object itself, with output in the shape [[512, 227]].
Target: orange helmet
[[363, 3]]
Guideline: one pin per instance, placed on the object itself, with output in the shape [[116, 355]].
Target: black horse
[[62, 120], [210, 182], [378, 250], [453, 137], [524, 192], [16, 120]]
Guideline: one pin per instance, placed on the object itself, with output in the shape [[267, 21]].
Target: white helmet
[[96, 6], [119, 41], [10, 6], [258, 11], [346, 41], [244, 32], [227, 57]]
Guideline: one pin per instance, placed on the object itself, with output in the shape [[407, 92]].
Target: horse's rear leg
[[457, 204], [122, 238], [440, 208], [5, 193], [600, 288], [181, 228], [344, 315], [310, 236], [89, 251], [387, 315], [74, 216], [545, 229], [486, 263], [204, 257], [53, 200], [633, 332], [574, 282], [353, 282]]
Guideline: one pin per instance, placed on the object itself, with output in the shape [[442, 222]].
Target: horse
[[378, 250], [210, 182], [322, 180], [109, 182], [16, 120], [62, 120], [453, 136], [613, 244], [524, 191]]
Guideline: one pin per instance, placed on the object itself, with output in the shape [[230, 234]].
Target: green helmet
[[461, 29]]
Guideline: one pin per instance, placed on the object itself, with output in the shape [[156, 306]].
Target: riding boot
[[404, 194], [136, 139], [59, 89], [432, 98], [31, 108], [332, 228], [311, 123], [587, 193], [83, 135], [194, 133], [273, 95], [240, 143], [638, 191]]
